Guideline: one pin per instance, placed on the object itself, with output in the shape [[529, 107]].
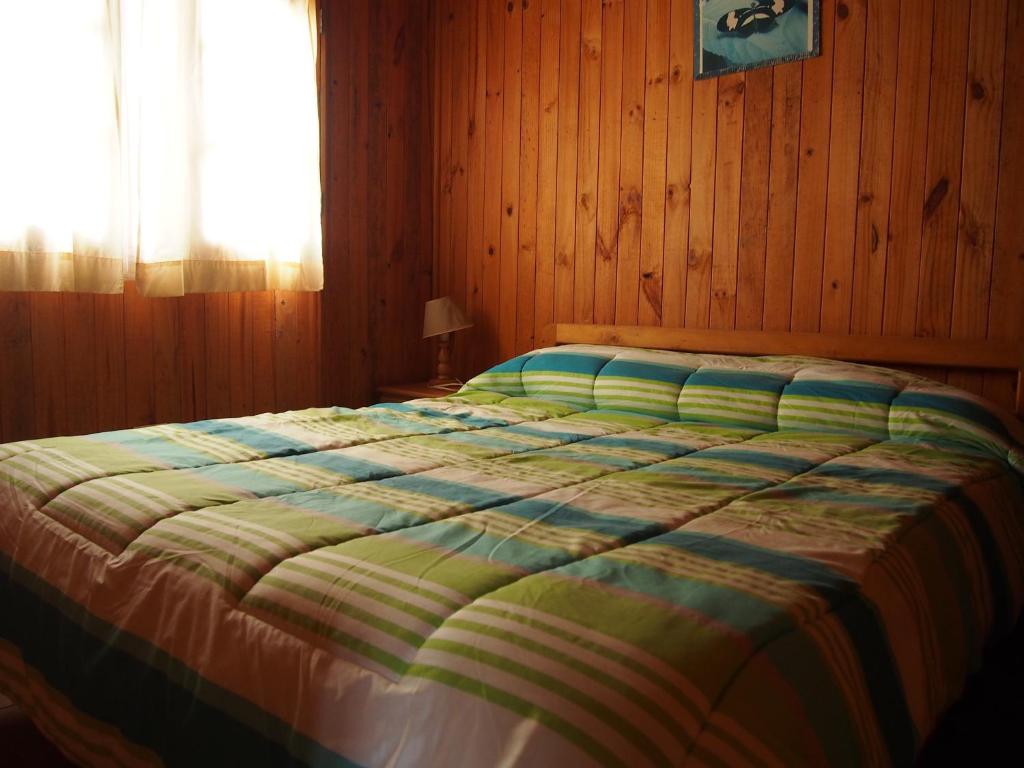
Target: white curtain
[[175, 142]]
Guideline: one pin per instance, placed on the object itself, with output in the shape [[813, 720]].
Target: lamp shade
[[443, 316]]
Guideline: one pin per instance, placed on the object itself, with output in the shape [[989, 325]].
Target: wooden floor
[[21, 744], [984, 726]]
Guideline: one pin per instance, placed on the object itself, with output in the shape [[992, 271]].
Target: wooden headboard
[[983, 355]]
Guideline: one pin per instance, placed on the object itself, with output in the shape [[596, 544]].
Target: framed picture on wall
[[733, 35]]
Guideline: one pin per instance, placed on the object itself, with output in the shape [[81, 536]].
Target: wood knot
[[842, 10], [935, 197], [977, 90], [399, 46]]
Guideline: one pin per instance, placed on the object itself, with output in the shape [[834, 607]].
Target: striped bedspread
[[588, 556]]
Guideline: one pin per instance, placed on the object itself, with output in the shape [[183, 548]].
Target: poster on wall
[[730, 36]]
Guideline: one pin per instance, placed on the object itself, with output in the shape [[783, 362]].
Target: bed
[[592, 554]]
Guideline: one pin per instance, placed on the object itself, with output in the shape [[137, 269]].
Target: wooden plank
[[473, 338], [462, 27], [288, 359], [192, 332], [907, 191], [843, 166], [140, 404], [359, 341], [677, 172], [754, 185], [990, 354], [438, 11], [488, 350], [510, 136], [17, 381], [782, 193], [566, 174], [652, 225], [1006, 303], [702, 204], [631, 157], [876, 157], [264, 398], [984, 105], [49, 365], [446, 95], [587, 168], [418, 364], [547, 163], [310, 313], [337, 89], [219, 352], [812, 186], [942, 168], [166, 353], [80, 361], [108, 315], [529, 159], [396, 312], [726, 220], [607, 245], [240, 343], [379, 338]]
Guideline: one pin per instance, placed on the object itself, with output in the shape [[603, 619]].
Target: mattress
[[588, 556]]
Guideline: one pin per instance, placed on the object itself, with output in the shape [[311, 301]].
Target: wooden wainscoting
[[79, 363]]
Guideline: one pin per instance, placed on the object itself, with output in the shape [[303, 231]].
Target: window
[[173, 142]]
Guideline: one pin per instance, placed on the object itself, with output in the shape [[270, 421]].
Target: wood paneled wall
[[582, 175], [377, 188], [78, 363]]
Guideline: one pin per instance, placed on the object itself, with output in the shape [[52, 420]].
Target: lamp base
[[442, 369]]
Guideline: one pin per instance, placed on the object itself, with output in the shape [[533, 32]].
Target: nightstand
[[397, 393]]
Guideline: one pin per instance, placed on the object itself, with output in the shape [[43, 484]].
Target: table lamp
[[441, 317]]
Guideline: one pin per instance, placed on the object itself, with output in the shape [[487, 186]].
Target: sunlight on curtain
[[59, 158], [203, 174], [227, 145]]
